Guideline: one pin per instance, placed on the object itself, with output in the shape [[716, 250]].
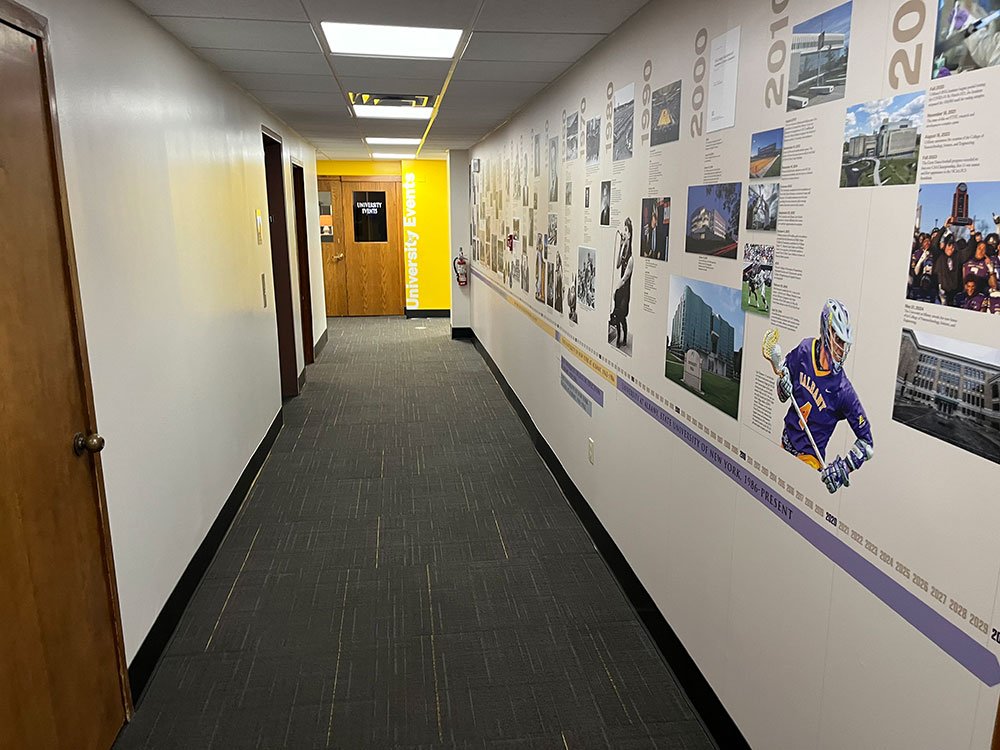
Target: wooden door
[[331, 217], [373, 250], [63, 677]]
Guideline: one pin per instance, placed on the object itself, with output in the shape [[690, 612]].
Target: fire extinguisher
[[461, 266]]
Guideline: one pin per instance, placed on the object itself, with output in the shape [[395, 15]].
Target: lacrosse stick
[[771, 350]]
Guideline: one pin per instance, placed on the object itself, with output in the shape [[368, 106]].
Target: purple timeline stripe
[[583, 381], [949, 637]]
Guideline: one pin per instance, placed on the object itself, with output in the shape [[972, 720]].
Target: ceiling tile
[[579, 16], [447, 14], [304, 100], [382, 85], [255, 61], [492, 91], [509, 70], [535, 47], [225, 33], [267, 10], [392, 128], [287, 82], [380, 67]]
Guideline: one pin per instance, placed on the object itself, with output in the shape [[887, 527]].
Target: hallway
[[407, 573]]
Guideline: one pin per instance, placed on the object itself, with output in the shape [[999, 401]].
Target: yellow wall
[[426, 243], [426, 246], [356, 167]]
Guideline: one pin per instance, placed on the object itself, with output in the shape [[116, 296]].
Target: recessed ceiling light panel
[[375, 141], [380, 155], [390, 41], [393, 113]]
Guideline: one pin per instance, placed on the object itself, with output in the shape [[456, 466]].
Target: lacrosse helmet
[[836, 335]]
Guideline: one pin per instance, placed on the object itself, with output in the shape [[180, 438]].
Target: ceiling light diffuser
[[380, 155], [374, 141], [393, 113], [390, 41]]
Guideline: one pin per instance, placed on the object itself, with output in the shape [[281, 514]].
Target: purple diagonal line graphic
[[586, 384], [972, 655]]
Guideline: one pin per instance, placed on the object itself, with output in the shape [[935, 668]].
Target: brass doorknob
[[339, 256], [91, 443]]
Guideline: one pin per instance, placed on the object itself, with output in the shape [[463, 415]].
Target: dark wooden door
[[302, 251], [374, 257], [281, 270], [63, 681]]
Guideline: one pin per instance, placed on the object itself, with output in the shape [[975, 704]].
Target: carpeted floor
[[406, 573]]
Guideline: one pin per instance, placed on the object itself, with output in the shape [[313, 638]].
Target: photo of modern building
[[818, 58], [713, 224], [950, 389], [706, 329], [882, 141], [762, 206]]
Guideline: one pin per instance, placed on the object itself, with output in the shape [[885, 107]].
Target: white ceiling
[[274, 49]]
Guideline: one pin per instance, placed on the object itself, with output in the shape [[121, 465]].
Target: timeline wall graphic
[[776, 234]]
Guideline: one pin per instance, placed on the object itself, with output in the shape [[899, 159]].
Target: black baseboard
[[146, 658], [428, 313], [717, 720], [461, 333], [318, 346], [302, 380]]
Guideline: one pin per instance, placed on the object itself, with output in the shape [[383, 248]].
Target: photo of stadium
[[624, 122], [882, 141], [713, 225], [765, 153], [818, 59], [950, 390], [705, 346], [666, 114]]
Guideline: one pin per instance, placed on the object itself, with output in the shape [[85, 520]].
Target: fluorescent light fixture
[[380, 155], [390, 112], [390, 41], [372, 141]]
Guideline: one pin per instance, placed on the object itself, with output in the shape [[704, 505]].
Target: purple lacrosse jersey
[[977, 268], [992, 303], [825, 398]]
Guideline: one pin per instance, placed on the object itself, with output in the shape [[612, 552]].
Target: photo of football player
[[812, 377]]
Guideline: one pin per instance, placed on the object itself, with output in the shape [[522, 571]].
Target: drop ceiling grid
[[274, 50]]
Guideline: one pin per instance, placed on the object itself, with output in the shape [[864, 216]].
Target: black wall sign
[[369, 216]]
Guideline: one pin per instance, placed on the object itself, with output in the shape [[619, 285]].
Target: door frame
[[29, 22], [281, 284], [302, 251]]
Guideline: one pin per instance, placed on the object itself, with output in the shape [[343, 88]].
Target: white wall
[[458, 217], [164, 168], [799, 651]]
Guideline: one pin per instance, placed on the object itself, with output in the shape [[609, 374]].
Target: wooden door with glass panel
[[373, 245]]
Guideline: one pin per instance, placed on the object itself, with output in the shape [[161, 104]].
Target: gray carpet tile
[[406, 573]]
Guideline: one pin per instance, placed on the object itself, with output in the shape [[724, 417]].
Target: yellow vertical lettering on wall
[[426, 246]]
